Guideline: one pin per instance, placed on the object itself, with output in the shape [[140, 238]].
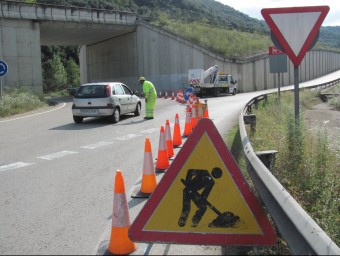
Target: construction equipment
[[218, 83]]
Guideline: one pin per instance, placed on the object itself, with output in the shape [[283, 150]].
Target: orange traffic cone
[[206, 112], [149, 182], [172, 95], [160, 94], [177, 138], [200, 111], [193, 116], [166, 95], [191, 101], [168, 139], [162, 158], [187, 127], [120, 242]]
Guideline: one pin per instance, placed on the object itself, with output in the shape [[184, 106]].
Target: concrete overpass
[[118, 46], [25, 27]]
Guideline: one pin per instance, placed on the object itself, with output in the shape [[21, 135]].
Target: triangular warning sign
[[203, 198], [295, 28]]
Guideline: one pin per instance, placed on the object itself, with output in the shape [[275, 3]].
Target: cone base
[[149, 183], [170, 148], [138, 194], [160, 170], [120, 242], [162, 160]]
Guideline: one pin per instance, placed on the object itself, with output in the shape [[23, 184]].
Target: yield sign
[[203, 198], [295, 28]]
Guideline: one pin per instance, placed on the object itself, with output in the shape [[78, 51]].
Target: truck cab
[[224, 83], [211, 81]]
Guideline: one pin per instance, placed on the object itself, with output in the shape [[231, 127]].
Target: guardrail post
[[267, 158], [250, 119]]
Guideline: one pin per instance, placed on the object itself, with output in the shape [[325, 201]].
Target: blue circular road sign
[[3, 68], [187, 92]]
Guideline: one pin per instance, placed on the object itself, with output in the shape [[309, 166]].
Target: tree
[[73, 73], [55, 75]]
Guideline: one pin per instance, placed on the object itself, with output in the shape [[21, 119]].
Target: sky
[[253, 8]]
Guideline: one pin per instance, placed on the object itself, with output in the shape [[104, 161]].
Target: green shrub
[[19, 101]]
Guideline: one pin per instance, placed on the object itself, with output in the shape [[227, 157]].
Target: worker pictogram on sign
[[203, 198], [201, 180], [295, 28]]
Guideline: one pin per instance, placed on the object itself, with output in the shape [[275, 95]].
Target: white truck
[[211, 81]]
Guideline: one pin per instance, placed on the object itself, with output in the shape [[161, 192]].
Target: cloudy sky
[[253, 8]]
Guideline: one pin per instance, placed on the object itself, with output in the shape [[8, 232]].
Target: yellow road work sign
[[203, 198]]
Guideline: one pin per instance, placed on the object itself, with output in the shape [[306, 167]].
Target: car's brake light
[[108, 91]]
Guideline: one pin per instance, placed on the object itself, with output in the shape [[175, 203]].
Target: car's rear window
[[91, 91]]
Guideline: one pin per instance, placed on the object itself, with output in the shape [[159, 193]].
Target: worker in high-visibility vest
[[150, 95]]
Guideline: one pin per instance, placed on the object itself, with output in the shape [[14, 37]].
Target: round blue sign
[[187, 92], [3, 68]]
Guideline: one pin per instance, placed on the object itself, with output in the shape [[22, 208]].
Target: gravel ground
[[322, 115]]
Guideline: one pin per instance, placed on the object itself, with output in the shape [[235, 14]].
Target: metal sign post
[[0, 88], [296, 93]]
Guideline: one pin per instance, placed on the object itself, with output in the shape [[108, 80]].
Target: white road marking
[[127, 137], [14, 166], [57, 155], [152, 130], [97, 145], [13, 119]]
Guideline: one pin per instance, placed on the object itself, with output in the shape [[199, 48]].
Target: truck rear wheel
[[234, 91], [217, 92]]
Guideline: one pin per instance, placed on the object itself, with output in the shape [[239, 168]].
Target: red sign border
[[136, 232], [286, 47]]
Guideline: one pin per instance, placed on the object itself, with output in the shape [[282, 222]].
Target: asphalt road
[[56, 186], [57, 177]]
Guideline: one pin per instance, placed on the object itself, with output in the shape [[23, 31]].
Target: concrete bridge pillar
[[20, 49]]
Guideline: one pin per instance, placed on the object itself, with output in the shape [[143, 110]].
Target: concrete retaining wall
[[160, 56], [165, 58]]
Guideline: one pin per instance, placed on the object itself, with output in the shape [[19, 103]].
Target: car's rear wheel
[[138, 110], [78, 119], [114, 118], [234, 91]]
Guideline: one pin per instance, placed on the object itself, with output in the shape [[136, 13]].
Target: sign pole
[[278, 87], [296, 93], [0, 87]]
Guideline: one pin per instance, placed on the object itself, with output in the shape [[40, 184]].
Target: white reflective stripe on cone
[[120, 213]]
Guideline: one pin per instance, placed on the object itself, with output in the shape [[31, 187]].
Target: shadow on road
[[97, 122]]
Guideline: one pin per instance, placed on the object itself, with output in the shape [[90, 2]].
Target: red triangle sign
[[203, 198], [295, 28]]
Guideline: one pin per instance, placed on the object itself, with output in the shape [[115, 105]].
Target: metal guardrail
[[302, 233]]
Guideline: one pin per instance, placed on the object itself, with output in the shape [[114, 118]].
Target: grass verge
[[22, 100], [306, 164], [19, 101]]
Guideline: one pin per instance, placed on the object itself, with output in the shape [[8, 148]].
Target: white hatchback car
[[105, 99]]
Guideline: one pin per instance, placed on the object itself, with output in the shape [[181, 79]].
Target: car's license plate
[[89, 111]]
